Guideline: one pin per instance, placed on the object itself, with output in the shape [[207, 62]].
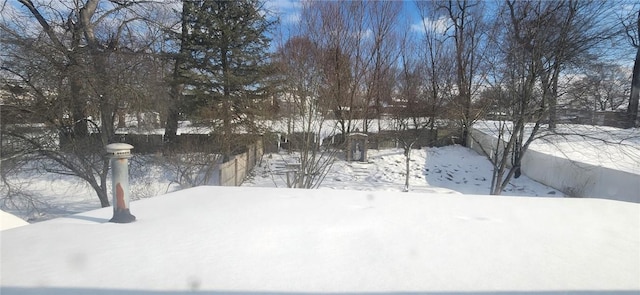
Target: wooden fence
[[200, 143], [389, 139], [234, 171]]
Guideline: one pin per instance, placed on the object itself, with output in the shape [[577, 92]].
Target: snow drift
[[8, 221], [220, 240]]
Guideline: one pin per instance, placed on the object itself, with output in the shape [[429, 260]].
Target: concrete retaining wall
[[576, 179]]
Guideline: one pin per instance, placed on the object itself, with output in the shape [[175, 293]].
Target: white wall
[[574, 178]]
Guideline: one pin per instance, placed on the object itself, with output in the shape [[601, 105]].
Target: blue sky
[[289, 12]]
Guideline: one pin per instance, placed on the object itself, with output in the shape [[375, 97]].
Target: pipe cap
[[119, 150]]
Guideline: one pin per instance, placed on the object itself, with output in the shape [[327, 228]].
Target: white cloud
[[291, 18], [282, 5], [440, 25], [287, 10], [368, 33]]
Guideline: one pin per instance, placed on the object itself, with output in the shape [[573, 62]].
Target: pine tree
[[227, 62]]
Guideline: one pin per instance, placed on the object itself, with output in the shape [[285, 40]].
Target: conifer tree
[[227, 64]]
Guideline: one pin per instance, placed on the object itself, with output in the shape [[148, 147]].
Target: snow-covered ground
[[46, 196], [230, 240], [8, 221], [448, 169], [358, 234]]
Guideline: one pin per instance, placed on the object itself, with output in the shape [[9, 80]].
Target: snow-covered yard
[[357, 234], [230, 240], [451, 169]]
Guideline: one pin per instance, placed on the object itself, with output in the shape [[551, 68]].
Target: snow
[[357, 234], [450, 169], [220, 240], [8, 221], [610, 147]]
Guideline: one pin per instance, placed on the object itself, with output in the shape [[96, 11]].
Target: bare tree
[[632, 29], [602, 88], [191, 169], [523, 48], [69, 57], [568, 43], [340, 29], [383, 51], [300, 64], [468, 32], [412, 117], [540, 40], [437, 64]]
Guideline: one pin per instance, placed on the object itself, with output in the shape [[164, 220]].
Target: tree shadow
[[88, 218]]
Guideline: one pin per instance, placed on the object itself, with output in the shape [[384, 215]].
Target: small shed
[[357, 147]]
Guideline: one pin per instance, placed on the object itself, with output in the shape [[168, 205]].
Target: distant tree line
[[80, 67]]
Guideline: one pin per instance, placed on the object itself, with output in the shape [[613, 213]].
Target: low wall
[[576, 179]]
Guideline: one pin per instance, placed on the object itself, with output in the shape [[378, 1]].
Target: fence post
[[235, 171]]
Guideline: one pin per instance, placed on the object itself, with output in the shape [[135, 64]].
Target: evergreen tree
[[227, 62]]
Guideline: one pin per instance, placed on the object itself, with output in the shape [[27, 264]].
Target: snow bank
[[8, 221], [580, 167], [581, 179], [271, 241]]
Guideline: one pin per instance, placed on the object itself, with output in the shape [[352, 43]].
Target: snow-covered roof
[[8, 221], [271, 241]]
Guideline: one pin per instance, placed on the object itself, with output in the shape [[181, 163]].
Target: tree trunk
[[77, 103], [122, 118], [553, 96], [173, 109], [107, 112], [104, 197], [632, 110], [226, 105], [171, 125], [101, 188], [407, 157]]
